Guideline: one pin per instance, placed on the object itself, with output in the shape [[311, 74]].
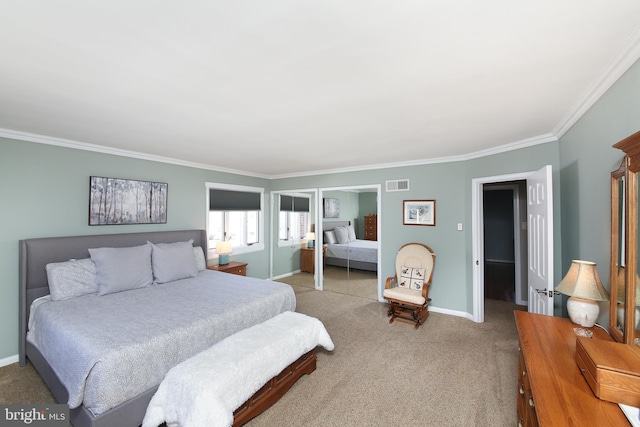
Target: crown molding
[[536, 140], [617, 66], [67, 143]]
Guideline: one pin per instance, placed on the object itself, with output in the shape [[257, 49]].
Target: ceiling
[[288, 87]]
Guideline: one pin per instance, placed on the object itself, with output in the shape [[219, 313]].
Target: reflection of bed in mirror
[[345, 250]]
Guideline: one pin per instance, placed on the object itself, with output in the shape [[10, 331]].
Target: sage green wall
[[587, 159], [45, 192], [450, 185], [443, 182]]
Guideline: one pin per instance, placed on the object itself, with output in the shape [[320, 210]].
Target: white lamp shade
[[223, 248]]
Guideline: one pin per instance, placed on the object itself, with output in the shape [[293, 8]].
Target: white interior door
[[540, 238]]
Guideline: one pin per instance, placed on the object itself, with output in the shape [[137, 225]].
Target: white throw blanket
[[206, 389]]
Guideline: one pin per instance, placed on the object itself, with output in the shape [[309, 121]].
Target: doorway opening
[[478, 240], [505, 241]]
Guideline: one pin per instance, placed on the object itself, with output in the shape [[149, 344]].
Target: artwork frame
[[331, 207], [118, 201], [419, 212]]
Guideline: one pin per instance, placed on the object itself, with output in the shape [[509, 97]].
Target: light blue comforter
[[109, 349]]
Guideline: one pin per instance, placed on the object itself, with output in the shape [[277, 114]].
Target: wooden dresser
[[551, 389], [371, 227]]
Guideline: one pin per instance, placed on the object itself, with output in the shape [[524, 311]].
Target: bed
[[107, 354], [345, 250]]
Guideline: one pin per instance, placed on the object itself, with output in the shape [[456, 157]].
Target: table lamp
[[311, 236], [584, 287], [223, 249]]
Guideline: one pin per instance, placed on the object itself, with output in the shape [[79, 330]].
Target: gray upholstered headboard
[[330, 225], [35, 254]]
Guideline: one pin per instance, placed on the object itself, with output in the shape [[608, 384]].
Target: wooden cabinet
[[552, 390], [307, 259], [233, 267], [371, 227]]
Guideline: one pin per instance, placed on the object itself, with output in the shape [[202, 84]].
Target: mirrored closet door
[[350, 240]]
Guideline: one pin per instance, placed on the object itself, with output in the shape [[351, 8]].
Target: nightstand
[[233, 267], [307, 262]]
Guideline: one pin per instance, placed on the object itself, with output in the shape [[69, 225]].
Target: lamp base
[[223, 259], [310, 244], [583, 312]]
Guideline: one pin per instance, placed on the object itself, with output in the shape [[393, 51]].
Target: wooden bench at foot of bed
[[241, 376], [274, 389]]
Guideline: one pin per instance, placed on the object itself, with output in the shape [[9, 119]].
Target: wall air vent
[[397, 185]]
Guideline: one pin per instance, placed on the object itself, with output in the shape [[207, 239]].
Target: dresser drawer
[[240, 271]]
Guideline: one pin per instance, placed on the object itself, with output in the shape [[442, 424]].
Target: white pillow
[[121, 269], [329, 237], [342, 234], [173, 261], [201, 262], [411, 278], [72, 278], [352, 233]]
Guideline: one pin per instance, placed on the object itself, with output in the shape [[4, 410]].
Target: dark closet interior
[[499, 255]]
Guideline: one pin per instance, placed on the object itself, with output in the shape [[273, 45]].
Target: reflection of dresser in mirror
[[624, 314], [371, 227]]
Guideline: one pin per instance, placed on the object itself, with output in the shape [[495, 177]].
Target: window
[[235, 214], [293, 225], [293, 220]]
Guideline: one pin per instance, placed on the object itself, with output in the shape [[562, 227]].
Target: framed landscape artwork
[[331, 208], [419, 212], [114, 201]]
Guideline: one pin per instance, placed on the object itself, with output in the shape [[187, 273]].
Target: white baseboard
[[451, 312], [282, 276], [9, 360]]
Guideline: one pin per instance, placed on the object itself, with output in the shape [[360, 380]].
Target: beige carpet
[[358, 283], [450, 372]]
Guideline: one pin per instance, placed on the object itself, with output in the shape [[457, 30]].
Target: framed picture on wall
[[419, 212], [114, 201], [331, 208]]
